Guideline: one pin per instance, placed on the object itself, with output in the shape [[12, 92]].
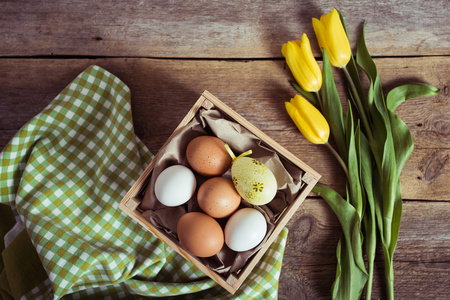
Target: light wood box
[[131, 201]]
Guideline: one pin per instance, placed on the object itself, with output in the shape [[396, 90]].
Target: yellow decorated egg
[[253, 180]]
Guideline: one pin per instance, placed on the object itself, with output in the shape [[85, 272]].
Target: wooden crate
[[230, 281]]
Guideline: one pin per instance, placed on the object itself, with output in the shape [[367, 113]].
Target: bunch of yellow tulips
[[371, 148]]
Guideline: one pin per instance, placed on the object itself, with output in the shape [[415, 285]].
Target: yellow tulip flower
[[331, 36], [311, 123], [302, 63]]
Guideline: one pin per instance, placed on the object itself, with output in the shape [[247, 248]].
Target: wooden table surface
[[169, 52]]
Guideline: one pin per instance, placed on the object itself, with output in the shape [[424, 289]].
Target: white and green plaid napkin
[[62, 234]]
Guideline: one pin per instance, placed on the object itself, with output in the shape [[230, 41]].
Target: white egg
[[245, 229], [175, 185]]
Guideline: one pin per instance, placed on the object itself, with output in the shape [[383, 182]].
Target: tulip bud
[[332, 37], [302, 64], [311, 123]]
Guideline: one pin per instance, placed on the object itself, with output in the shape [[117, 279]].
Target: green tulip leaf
[[403, 142], [351, 276], [353, 182], [308, 95], [402, 93], [383, 148], [353, 165], [332, 107], [369, 220]]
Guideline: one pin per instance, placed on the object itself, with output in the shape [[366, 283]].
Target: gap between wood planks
[[63, 56]]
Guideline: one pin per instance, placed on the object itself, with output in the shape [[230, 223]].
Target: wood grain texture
[[169, 52], [213, 29], [421, 260], [163, 91]]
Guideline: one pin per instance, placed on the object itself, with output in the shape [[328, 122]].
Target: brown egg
[[200, 234], [218, 197], [207, 156]]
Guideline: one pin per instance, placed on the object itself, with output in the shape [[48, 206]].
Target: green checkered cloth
[[62, 234]]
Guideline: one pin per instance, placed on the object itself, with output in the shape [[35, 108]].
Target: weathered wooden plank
[[164, 90], [421, 261], [246, 86], [241, 29]]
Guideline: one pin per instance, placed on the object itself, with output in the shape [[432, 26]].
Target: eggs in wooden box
[[218, 197], [200, 234], [207, 156]]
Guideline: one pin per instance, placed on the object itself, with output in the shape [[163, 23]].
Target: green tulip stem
[[338, 157], [319, 99], [358, 103], [390, 288]]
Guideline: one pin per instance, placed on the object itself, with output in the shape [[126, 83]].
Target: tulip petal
[[319, 30], [298, 43], [299, 119], [293, 113], [299, 68], [325, 19], [316, 122], [333, 38], [314, 74], [306, 78], [284, 49], [294, 61], [309, 120], [337, 40]]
